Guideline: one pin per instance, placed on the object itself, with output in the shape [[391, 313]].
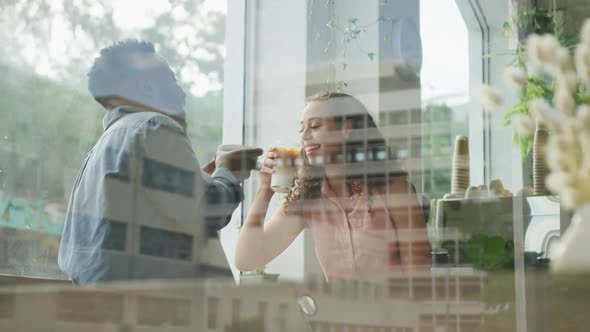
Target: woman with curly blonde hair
[[364, 215]]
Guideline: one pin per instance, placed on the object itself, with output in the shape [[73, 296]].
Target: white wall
[[275, 94], [500, 159], [233, 96], [505, 158]]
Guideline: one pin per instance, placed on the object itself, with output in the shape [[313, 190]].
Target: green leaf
[[507, 29], [353, 20], [371, 55], [536, 87], [340, 85], [495, 246], [488, 252], [331, 24]]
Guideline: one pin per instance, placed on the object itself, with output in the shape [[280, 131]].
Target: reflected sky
[[69, 48], [445, 69]]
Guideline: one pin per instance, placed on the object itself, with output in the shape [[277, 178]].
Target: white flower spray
[[568, 148], [523, 124], [516, 78], [491, 98]]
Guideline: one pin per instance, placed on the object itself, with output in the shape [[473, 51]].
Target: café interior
[[482, 106]]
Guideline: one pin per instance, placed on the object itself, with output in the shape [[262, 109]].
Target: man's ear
[[106, 102]]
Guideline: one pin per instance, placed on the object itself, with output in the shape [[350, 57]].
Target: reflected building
[[440, 300]]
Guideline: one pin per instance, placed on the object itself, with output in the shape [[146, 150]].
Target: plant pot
[[571, 253]]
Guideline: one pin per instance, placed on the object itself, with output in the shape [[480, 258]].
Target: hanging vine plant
[[349, 31], [540, 21]]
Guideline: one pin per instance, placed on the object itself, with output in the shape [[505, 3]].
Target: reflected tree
[[49, 119]]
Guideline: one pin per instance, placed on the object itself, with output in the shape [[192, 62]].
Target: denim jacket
[[141, 208]]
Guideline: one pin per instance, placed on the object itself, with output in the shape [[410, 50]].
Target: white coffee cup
[[283, 179], [285, 171]]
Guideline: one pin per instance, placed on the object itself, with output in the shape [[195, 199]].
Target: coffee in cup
[[285, 170]]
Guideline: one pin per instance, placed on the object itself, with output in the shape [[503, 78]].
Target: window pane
[[51, 120]]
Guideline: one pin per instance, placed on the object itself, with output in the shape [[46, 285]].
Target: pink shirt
[[359, 243]]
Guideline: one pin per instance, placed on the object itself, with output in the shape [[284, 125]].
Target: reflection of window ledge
[[258, 278]]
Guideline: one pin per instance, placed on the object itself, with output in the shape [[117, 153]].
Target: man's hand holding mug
[[239, 159]]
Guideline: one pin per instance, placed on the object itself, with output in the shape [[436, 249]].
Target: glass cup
[[285, 170]]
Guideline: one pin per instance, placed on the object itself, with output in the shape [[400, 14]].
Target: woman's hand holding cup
[[286, 160], [266, 169], [279, 169]]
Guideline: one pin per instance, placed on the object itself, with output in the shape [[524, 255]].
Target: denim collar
[[118, 112], [115, 114]]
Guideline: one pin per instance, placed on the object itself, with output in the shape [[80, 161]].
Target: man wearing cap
[[141, 207]]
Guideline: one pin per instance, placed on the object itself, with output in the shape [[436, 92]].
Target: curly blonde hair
[[310, 178]]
